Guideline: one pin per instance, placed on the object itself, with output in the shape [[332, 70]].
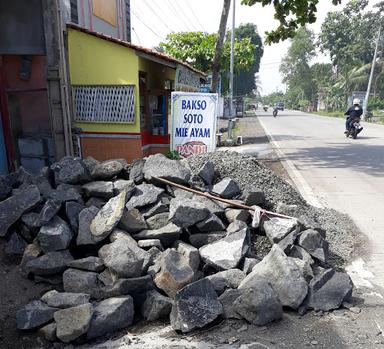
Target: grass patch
[[334, 114]]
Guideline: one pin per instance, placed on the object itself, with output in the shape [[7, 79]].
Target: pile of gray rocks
[[117, 246]]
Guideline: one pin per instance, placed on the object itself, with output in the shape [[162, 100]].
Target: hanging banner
[[194, 117]]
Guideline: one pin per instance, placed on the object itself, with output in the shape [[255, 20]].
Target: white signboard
[[194, 118]]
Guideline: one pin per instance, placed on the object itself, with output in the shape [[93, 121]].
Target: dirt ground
[[359, 327]]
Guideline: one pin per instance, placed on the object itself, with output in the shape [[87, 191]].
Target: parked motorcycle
[[354, 129], [275, 112]]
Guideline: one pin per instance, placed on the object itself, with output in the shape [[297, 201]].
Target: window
[[105, 104]]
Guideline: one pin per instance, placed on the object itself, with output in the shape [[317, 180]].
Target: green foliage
[[173, 155], [292, 14], [375, 103], [273, 98], [244, 79], [198, 49]]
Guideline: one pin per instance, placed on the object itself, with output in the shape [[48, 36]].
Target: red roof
[[135, 47]]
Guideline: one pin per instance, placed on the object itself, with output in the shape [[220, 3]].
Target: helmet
[[356, 101]]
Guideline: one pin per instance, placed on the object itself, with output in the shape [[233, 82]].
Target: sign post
[[194, 117]]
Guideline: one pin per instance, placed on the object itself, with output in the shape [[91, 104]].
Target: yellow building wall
[[157, 73], [95, 61]]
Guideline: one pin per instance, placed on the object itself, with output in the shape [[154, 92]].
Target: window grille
[[105, 104]]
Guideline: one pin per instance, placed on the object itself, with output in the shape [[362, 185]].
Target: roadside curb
[[296, 177]]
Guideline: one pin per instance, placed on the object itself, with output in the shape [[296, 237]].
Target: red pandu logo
[[191, 148]]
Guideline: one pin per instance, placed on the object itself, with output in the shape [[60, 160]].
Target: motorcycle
[[274, 112], [265, 108], [354, 129]]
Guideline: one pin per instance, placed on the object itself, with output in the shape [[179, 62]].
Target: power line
[[166, 15], [161, 20], [147, 25], [194, 15], [177, 14], [193, 26]]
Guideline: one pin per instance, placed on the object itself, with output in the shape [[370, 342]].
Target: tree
[[244, 79], [292, 14], [198, 49], [296, 70]]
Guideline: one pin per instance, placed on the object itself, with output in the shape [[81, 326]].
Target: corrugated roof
[[135, 47]]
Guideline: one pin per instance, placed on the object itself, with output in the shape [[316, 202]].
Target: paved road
[[340, 173]]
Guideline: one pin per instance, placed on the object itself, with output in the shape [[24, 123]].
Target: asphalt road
[[337, 172]]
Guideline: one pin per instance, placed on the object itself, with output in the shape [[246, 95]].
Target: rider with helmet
[[354, 112]]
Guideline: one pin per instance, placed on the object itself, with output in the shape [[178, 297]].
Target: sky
[[152, 20]]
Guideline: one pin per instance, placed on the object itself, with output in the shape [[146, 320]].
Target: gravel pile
[[342, 233]]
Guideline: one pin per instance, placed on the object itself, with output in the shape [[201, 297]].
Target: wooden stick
[[217, 198]]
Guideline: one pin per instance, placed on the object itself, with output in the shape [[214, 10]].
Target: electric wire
[[194, 15], [146, 25], [156, 15]]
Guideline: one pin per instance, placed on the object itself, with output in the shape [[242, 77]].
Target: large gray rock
[[121, 259], [50, 263], [175, 272], [123, 185], [111, 315], [55, 236], [226, 253], [305, 268], [226, 279], [158, 221], [5, 188], [156, 306], [213, 206], [13, 208], [90, 163], [80, 281], [31, 221], [278, 228], [288, 243], [49, 332], [195, 306], [89, 263], [236, 226], [329, 290], [160, 166], [108, 217], [283, 275], [313, 242], [227, 188], [73, 322], [211, 223], [72, 210], [33, 315], [143, 195], [254, 196], [259, 305], [227, 299], [160, 206], [107, 169], [303, 260], [187, 212], [97, 202], [15, 245], [100, 189], [65, 195], [207, 172], [132, 286], [248, 264], [86, 216], [190, 253], [148, 244], [121, 234], [49, 210], [167, 235], [70, 170], [64, 299], [136, 171], [234, 214], [199, 240], [132, 221]]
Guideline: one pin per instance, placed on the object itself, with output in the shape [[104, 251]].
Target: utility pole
[[231, 70], [371, 74]]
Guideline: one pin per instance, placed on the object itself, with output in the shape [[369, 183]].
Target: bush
[[173, 155], [375, 103]]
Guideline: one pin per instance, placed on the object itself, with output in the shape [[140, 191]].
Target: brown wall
[[111, 148]]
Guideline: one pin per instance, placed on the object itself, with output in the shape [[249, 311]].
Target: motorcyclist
[[355, 111]]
